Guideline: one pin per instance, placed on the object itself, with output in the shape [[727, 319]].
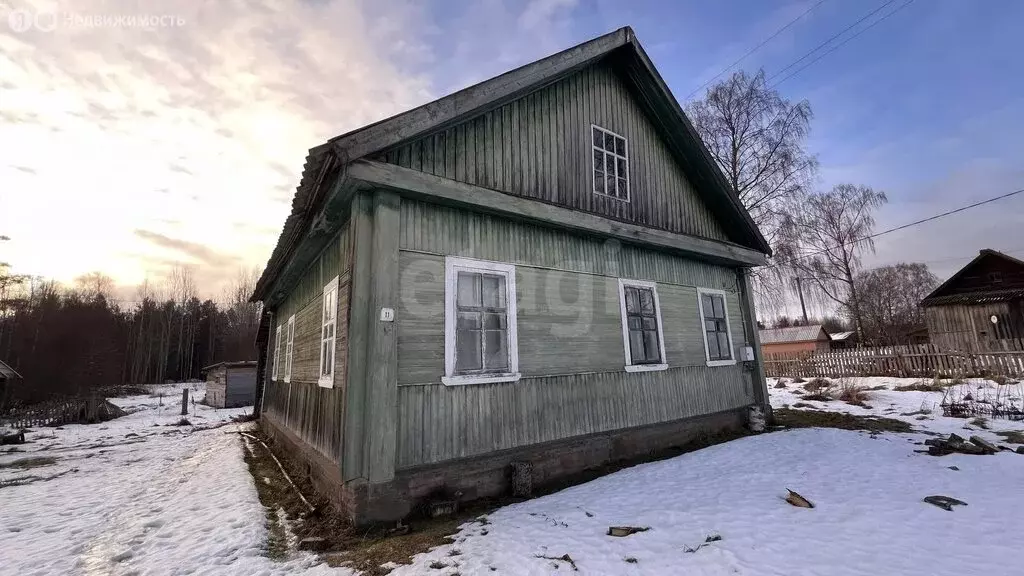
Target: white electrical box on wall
[[387, 315], [747, 354]]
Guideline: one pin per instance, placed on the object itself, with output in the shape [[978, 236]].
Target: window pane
[[706, 307], [467, 350], [633, 322], [598, 160], [620, 167], [469, 289], [610, 184], [723, 346], [494, 291], [494, 321], [632, 300], [623, 191], [468, 321], [646, 301], [599, 182], [495, 350], [711, 325], [649, 323], [712, 346], [636, 346], [609, 142], [598, 138], [719, 304], [620, 146], [651, 345]]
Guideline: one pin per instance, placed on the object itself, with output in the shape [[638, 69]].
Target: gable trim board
[[621, 48]]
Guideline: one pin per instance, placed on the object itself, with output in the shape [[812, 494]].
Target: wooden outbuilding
[[545, 268], [979, 306], [8, 379], [231, 384], [795, 340]]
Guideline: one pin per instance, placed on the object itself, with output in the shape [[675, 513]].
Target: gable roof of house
[[628, 58], [7, 373], [937, 296], [792, 334]]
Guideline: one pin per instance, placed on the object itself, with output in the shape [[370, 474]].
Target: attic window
[[611, 164], [995, 277]]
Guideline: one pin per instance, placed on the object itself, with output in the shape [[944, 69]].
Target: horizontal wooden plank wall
[[438, 423], [312, 412], [540, 147], [570, 339]]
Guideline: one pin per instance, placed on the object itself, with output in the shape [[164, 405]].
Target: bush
[[851, 393], [817, 385]]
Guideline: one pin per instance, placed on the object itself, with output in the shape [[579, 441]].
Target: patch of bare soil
[[289, 520], [821, 419]]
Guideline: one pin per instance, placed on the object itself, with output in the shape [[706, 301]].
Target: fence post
[[184, 401]]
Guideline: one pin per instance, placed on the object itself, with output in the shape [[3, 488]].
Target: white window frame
[[277, 354], [630, 367], [452, 266], [728, 326], [327, 380], [289, 348], [593, 168]]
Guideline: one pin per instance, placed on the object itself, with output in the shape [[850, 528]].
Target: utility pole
[[800, 291]]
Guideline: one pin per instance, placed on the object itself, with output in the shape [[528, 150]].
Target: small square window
[[995, 277], [611, 164]]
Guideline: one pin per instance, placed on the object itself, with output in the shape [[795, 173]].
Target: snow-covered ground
[[148, 498], [136, 495]]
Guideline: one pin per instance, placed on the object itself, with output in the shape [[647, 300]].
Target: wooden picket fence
[[1003, 358], [61, 412]]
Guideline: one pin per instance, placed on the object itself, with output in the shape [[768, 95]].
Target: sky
[[132, 145]]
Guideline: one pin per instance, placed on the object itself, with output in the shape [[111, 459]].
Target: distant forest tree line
[[69, 341]]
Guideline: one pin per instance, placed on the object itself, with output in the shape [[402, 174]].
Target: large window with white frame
[[288, 348], [277, 354], [714, 317], [642, 334], [611, 163], [480, 329], [328, 333]]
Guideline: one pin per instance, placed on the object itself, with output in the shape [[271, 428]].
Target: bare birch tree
[[757, 138], [889, 298], [833, 232]]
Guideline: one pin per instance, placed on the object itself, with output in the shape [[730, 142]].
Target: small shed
[[231, 384], [980, 305], [843, 340], [795, 339], [8, 379]]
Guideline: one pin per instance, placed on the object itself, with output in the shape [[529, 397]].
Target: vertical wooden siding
[[960, 326], [570, 339], [310, 411], [539, 146]]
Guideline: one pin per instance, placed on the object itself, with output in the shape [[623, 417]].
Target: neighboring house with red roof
[[795, 339], [981, 304]]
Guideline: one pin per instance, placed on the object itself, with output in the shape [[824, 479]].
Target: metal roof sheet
[[791, 334]]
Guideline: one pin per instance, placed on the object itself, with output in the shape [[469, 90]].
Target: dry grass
[[817, 397], [780, 384], [29, 463], [848, 391], [980, 422], [818, 385], [922, 386], [1012, 436], [822, 419], [798, 380]]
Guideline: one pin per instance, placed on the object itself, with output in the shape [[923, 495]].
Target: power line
[[902, 227], [840, 45], [755, 48]]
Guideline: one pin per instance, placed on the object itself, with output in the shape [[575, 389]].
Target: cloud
[[197, 252], [205, 122]]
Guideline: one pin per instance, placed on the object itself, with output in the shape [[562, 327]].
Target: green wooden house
[[546, 267]]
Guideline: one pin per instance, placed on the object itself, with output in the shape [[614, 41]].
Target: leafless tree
[[757, 138], [889, 298], [833, 232], [95, 285]]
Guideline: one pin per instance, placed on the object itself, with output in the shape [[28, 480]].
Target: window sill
[[722, 362], [646, 367], [479, 379], [325, 382]]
